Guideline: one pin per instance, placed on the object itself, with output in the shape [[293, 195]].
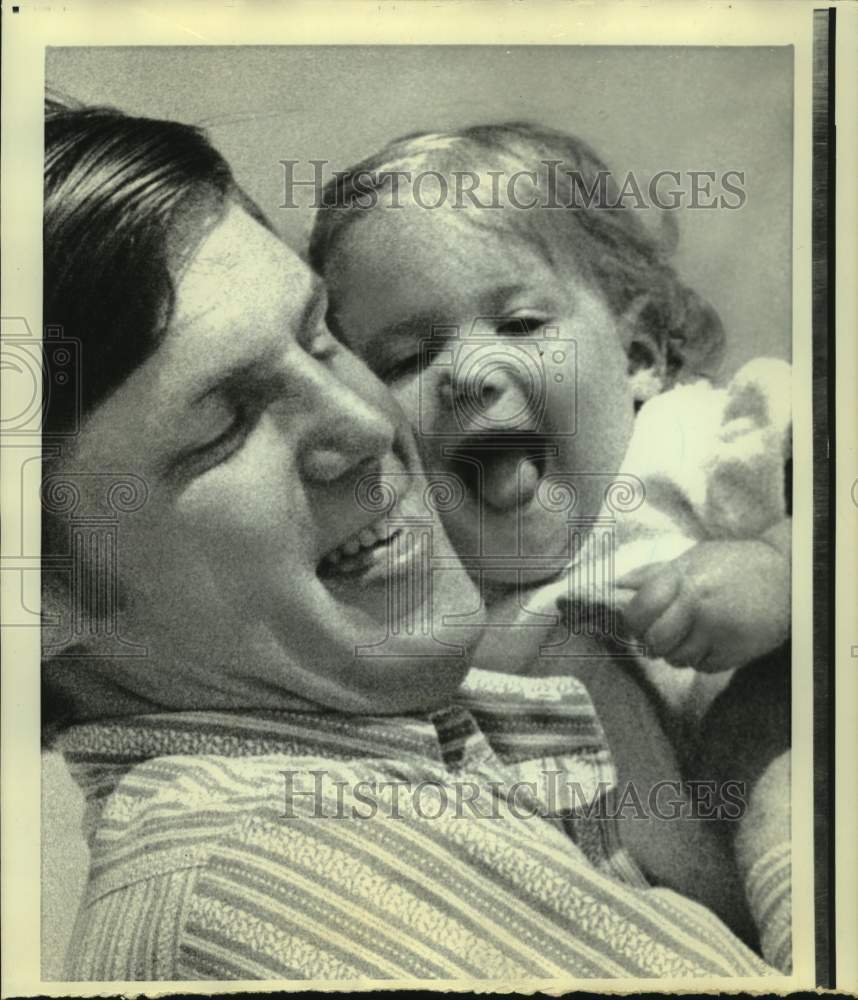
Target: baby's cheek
[[605, 420]]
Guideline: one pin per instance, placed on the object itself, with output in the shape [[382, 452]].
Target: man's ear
[[57, 638], [647, 361]]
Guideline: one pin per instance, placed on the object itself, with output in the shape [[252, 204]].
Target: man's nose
[[349, 435], [495, 395]]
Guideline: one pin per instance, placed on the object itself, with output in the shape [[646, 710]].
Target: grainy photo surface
[[416, 497]]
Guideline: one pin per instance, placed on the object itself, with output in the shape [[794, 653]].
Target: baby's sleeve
[[763, 856], [745, 483], [769, 890]]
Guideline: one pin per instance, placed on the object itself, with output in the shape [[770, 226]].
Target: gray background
[[644, 109]]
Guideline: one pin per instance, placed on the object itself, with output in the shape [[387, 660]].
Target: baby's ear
[[647, 357]]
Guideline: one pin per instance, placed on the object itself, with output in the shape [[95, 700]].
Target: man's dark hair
[[116, 189], [127, 200]]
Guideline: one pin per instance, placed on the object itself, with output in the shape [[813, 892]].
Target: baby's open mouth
[[503, 471]]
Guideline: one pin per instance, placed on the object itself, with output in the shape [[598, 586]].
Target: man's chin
[[409, 689], [392, 683]]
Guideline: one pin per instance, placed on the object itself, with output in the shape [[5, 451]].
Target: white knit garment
[[711, 461]]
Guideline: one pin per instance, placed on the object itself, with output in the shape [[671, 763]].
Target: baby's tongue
[[510, 479]]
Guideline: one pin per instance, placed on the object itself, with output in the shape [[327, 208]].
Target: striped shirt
[[463, 844]]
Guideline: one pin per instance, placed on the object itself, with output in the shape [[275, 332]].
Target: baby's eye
[[520, 326], [399, 368]]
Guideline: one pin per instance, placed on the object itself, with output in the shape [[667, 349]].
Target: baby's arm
[[716, 607], [723, 605], [744, 737]]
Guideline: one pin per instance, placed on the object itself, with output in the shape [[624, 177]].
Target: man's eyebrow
[[242, 371], [226, 379]]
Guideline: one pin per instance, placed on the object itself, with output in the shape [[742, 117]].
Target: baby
[[551, 360]]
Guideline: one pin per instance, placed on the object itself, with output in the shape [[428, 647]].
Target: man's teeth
[[366, 538]]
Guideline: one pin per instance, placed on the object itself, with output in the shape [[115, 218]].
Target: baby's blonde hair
[[607, 241]]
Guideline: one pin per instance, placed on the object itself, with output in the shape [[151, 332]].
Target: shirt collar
[[514, 718]]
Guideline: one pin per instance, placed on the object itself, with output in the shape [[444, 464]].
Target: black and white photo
[[419, 438]]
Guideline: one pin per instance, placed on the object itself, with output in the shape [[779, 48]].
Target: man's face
[[268, 552], [527, 401]]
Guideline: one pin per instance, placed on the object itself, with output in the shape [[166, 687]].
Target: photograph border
[[89, 23]]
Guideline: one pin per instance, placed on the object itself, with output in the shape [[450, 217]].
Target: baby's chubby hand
[[718, 606]]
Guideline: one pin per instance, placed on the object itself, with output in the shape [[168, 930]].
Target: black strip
[[823, 490], [832, 491]]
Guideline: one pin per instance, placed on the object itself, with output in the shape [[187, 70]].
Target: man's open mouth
[[361, 551], [501, 471]]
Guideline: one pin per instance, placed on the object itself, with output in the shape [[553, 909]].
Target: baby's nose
[[495, 397]]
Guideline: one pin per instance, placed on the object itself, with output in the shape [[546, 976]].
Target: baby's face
[[513, 377]]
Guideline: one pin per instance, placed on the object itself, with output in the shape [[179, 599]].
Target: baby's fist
[[718, 606]]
